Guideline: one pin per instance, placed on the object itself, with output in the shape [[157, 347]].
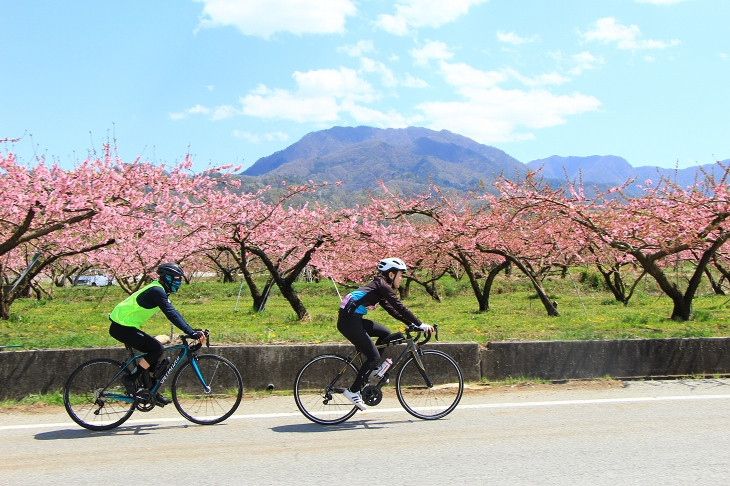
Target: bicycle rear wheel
[[95, 397], [318, 389], [430, 402], [214, 403]]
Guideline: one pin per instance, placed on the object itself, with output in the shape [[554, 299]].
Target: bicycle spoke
[[318, 389], [214, 401], [430, 402], [93, 400]]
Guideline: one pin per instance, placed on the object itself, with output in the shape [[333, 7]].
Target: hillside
[[406, 160], [612, 171]]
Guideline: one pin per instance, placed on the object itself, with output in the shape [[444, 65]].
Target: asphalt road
[[668, 432]]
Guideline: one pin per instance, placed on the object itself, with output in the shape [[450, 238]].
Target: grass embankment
[[77, 317]]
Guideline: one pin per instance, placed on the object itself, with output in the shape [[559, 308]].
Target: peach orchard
[[127, 218]]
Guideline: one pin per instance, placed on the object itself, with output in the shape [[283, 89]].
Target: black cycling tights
[[141, 341], [359, 331]]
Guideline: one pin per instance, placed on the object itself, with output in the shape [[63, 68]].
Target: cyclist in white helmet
[[358, 330]]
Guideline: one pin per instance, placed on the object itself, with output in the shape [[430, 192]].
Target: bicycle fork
[[417, 353], [206, 386]]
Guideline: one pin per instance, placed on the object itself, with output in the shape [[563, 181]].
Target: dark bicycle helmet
[[171, 269], [171, 275]]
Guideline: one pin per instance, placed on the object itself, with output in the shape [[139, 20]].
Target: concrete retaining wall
[[30, 372]]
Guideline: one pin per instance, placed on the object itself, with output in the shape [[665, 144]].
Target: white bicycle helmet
[[387, 264]]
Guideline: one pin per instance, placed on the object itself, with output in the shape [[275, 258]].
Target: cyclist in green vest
[[128, 316]]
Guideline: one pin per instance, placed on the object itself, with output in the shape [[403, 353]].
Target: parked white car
[[94, 280]]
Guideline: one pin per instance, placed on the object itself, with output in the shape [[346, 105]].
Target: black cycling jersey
[[377, 292]]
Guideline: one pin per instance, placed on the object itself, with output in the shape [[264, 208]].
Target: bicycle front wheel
[[213, 399], [95, 397], [437, 399], [318, 389]]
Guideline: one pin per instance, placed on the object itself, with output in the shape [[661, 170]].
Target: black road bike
[[206, 388], [428, 382]]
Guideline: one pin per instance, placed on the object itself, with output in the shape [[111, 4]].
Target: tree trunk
[[4, 310], [482, 299], [491, 276], [428, 285], [285, 279], [682, 302], [550, 306], [259, 298], [716, 285], [288, 292], [23, 286]]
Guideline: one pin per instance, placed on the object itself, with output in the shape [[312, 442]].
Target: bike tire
[[434, 402], [207, 407], [94, 398], [318, 389]]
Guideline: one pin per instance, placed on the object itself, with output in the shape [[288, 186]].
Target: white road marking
[[372, 410]]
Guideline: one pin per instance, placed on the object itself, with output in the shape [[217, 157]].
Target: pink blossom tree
[[42, 209], [125, 217], [281, 237], [666, 221]]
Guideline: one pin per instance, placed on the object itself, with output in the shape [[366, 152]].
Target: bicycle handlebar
[[413, 328], [197, 345]]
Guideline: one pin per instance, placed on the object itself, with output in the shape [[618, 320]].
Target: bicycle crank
[[371, 395], [144, 400]]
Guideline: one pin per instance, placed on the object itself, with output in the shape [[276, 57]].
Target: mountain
[[610, 170], [406, 160], [403, 158]]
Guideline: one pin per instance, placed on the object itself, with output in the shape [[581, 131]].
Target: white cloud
[[359, 49], [195, 110], [514, 39], [263, 18], [224, 111], [626, 37], [584, 61], [423, 13], [362, 115], [281, 104], [326, 96], [336, 83], [431, 50], [546, 79], [218, 113], [489, 113], [321, 95], [498, 115], [411, 81], [387, 77], [466, 77], [260, 137]]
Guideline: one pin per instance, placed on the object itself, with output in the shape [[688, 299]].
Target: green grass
[[55, 399], [77, 316]]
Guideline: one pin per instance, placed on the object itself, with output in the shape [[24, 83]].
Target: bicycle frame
[[412, 347], [185, 353], [426, 394]]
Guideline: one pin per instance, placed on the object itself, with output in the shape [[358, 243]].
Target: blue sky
[[230, 81]]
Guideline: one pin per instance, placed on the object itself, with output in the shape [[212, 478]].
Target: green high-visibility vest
[[129, 313]]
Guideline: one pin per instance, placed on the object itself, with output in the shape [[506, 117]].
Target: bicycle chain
[[371, 395]]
